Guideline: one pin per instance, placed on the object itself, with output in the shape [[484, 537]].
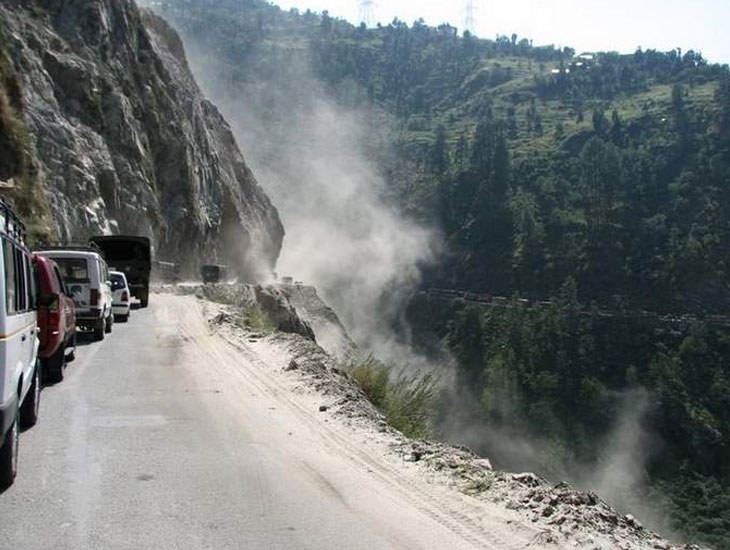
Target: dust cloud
[[617, 471], [620, 477], [317, 160], [314, 158]]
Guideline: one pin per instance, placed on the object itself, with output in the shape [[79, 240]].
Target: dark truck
[[213, 273], [131, 255]]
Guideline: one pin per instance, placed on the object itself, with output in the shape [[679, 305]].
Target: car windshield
[[117, 281], [73, 270]]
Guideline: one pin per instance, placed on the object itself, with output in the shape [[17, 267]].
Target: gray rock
[[126, 141], [293, 365]]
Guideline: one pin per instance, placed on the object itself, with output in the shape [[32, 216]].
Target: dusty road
[[165, 437]]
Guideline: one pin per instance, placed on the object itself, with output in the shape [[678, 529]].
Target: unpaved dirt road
[[164, 436]]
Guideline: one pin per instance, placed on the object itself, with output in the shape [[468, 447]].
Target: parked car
[[86, 275], [212, 273], [20, 373], [132, 255], [56, 319], [121, 296]]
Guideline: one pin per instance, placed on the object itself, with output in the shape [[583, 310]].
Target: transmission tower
[[469, 19], [367, 12]]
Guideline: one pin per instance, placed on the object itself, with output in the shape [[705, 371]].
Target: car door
[[14, 345], [21, 338], [29, 316]]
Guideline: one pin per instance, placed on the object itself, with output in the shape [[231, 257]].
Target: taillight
[[125, 296], [94, 297]]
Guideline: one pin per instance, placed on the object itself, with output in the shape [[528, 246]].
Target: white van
[[20, 383], [86, 275]]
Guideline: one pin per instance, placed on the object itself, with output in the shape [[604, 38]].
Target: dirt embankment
[[559, 515]]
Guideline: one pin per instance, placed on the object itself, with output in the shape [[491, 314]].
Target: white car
[[86, 275], [20, 373], [121, 296]]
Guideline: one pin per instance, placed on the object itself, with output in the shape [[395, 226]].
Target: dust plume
[[316, 159], [620, 477], [617, 470]]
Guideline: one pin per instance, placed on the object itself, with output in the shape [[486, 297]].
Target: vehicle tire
[[9, 455], [31, 404], [71, 356], [109, 324], [57, 366], [121, 318], [99, 330], [144, 302]]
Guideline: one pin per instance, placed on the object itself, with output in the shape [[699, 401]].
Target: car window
[[117, 281], [21, 296], [59, 281], [73, 270], [30, 281], [10, 284]]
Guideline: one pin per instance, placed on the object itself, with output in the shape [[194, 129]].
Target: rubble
[[564, 515]]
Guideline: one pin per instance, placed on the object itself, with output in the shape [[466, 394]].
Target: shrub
[[406, 399]]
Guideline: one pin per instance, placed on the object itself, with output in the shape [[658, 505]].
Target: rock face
[[126, 141], [328, 329]]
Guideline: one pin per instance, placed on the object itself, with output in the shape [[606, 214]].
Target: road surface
[[164, 436]]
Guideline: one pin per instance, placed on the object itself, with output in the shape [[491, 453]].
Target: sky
[[587, 25]]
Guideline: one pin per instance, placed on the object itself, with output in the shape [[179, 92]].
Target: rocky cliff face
[[126, 141]]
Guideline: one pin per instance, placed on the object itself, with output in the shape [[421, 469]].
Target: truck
[[132, 255], [213, 273]]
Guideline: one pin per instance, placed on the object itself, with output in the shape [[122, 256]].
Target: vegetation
[[537, 164], [562, 376], [17, 155], [598, 179], [407, 400], [248, 312]]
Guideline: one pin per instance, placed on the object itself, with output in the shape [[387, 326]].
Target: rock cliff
[[127, 143]]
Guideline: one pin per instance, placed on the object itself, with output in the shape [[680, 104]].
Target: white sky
[[621, 25]]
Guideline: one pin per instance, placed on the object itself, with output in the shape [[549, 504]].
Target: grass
[[406, 399], [18, 159], [249, 313], [254, 317]]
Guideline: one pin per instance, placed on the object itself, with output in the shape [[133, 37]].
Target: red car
[[56, 319]]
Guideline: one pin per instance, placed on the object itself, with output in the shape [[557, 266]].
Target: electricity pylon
[[367, 12], [469, 19]]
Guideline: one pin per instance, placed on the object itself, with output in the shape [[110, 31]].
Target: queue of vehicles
[[47, 297]]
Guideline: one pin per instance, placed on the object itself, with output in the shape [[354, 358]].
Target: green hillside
[[538, 164]]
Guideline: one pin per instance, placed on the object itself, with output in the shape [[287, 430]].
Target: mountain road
[[165, 436]]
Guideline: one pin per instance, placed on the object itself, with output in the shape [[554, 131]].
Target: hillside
[[114, 129], [537, 164], [590, 181]]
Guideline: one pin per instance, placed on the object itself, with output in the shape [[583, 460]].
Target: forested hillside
[[537, 164], [592, 181]]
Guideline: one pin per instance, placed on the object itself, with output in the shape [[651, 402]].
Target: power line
[[367, 12], [469, 18]]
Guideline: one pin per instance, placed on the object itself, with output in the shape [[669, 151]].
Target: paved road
[[141, 448]]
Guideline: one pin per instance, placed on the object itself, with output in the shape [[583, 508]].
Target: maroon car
[[56, 319]]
